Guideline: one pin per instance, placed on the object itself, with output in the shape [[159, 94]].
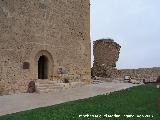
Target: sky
[[134, 24]]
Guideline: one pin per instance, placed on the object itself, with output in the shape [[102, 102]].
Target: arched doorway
[[43, 67]]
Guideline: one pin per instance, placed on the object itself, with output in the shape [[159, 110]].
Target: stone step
[[47, 86], [50, 87], [50, 90], [45, 82], [97, 81]]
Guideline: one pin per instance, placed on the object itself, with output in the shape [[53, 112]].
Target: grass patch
[[141, 100]]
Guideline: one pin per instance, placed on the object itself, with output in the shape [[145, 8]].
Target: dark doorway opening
[[43, 67]]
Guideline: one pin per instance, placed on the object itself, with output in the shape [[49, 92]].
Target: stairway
[[97, 81], [45, 86]]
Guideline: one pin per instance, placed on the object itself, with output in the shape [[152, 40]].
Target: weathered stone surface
[[29, 29], [134, 81], [31, 87], [106, 54], [1, 88]]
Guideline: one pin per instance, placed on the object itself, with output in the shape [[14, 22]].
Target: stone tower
[[106, 54], [43, 40]]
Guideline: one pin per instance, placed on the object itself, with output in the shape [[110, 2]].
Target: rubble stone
[[31, 87]]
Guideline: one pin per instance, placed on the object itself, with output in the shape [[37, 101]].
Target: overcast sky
[[134, 24]]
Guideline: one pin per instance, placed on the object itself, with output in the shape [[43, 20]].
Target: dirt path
[[21, 102]]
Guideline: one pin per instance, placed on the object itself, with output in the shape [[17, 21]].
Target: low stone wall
[[149, 74]]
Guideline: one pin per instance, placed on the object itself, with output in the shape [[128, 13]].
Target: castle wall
[[106, 54], [59, 29], [149, 74]]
